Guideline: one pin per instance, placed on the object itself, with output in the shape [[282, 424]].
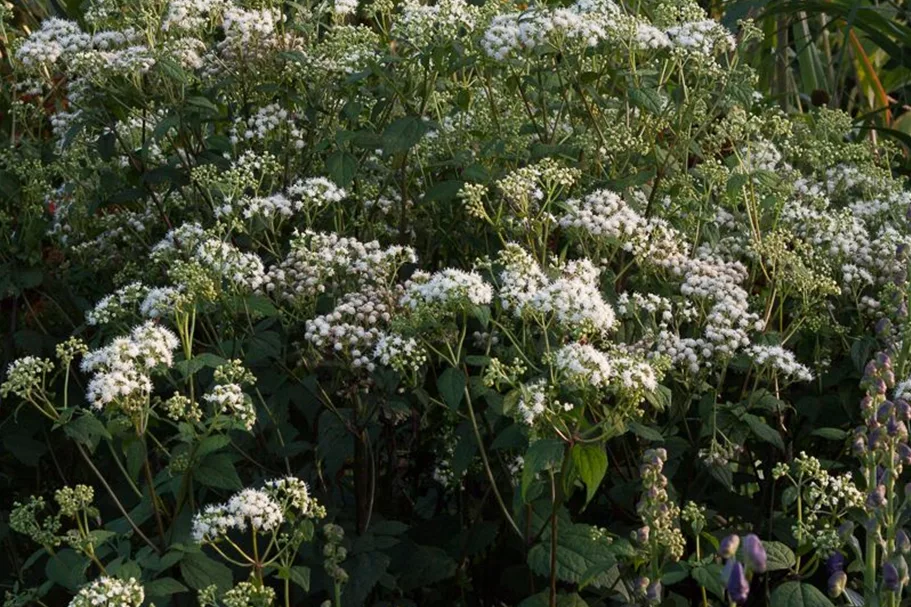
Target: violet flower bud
[[641, 535], [845, 530], [877, 497], [754, 553], [904, 453], [882, 326], [879, 386], [902, 410], [884, 360], [835, 563], [884, 412], [738, 588], [641, 584], [902, 542], [729, 545], [866, 404], [837, 583], [653, 592], [890, 577]]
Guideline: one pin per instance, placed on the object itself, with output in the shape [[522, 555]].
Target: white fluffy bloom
[[230, 399], [584, 365], [252, 508], [110, 592], [344, 7], [118, 305], [403, 354], [56, 38], [780, 360], [449, 288], [122, 367]]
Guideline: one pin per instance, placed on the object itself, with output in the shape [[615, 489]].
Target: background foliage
[[723, 232]]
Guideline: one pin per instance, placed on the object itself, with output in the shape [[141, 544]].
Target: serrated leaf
[[403, 134], [87, 430], [341, 167], [590, 463], [580, 556], [643, 431], [211, 444], [778, 556], [451, 385], [797, 594], [165, 586], [542, 454], [200, 571], [709, 577], [763, 431], [217, 470]]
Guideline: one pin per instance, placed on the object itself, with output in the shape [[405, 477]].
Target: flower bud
[[835, 562], [845, 530], [754, 554], [837, 583], [641, 585], [884, 412], [890, 577], [729, 545], [883, 359], [653, 592], [877, 497], [738, 588], [902, 410], [902, 542], [882, 326], [640, 536]]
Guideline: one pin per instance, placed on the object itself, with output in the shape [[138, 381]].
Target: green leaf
[[426, 565], [199, 571], [709, 577], [830, 433], [365, 570], [24, 448], [451, 385], [217, 470], [165, 586], [298, 574], [778, 556], [403, 134], [211, 444], [590, 462], [341, 167], [541, 455], [646, 432], [87, 430], [542, 599], [67, 569], [659, 398], [763, 431], [580, 556], [203, 103], [796, 594]]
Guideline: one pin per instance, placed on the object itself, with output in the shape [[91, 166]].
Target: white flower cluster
[[343, 8], [585, 23], [162, 302], [420, 23], [294, 494], [25, 375], [320, 262], [780, 361], [110, 592], [535, 400], [449, 289], [249, 34], [316, 192], [189, 15], [354, 326], [403, 354], [267, 120], [119, 305], [704, 38], [573, 298], [56, 38], [583, 365], [243, 270], [263, 510], [230, 399], [253, 508], [121, 369]]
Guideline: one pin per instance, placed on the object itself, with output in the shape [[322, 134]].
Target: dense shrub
[[443, 305]]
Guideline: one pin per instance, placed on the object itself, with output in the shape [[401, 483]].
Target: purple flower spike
[[890, 577], [754, 553], [738, 588], [729, 545]]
